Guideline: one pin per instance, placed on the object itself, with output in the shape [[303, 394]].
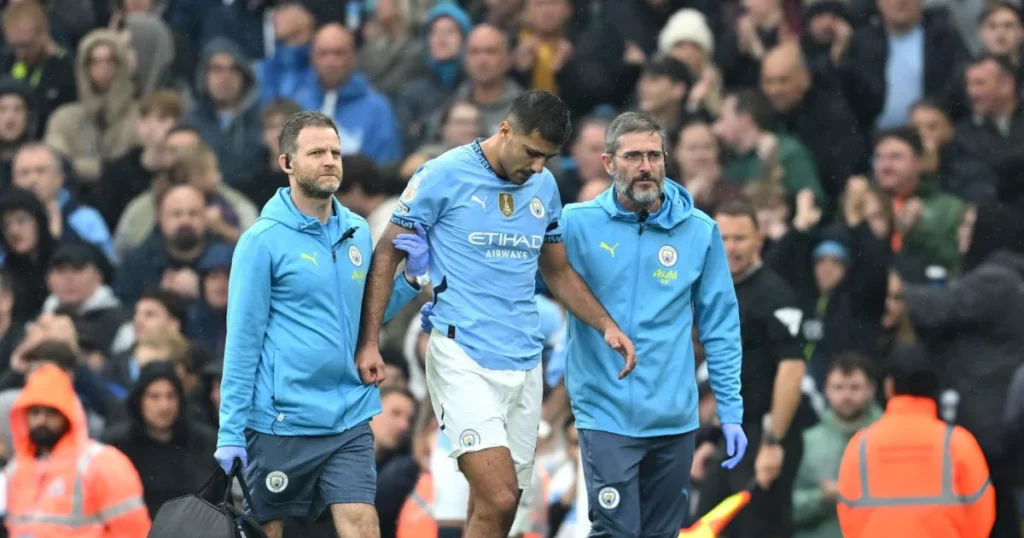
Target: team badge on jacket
[[355, 256], [668, 256]]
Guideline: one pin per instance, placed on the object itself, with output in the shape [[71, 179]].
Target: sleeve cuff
[[556, 238], [404, 288], [403, 222], [224, 439], [730, 415]]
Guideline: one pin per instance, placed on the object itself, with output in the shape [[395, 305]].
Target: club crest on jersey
[[668, 256], [537, 208], [412, 187], [506, 204], [608, 497], [277, 482], [355, 256], [469, 439]]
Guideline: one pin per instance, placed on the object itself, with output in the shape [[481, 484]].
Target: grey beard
[[642, 199], [312, 189]]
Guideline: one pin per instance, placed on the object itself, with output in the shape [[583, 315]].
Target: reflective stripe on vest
[[948, 497], [422, 503], [77, 517]]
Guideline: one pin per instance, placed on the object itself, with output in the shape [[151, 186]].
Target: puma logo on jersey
[[611, 250], [477, 199], [311, 258]]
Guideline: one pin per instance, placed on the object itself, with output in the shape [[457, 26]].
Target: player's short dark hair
[[849, 362], [754, 103], [911, 372], [55, 351], [287, 141], [904, 133], [543, 112], [174, 304], [738, 208]]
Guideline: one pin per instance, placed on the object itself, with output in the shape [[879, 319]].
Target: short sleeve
[[784, 329], [553, 234], [423, 199]]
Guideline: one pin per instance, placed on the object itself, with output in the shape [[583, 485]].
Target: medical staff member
[[658, 265]]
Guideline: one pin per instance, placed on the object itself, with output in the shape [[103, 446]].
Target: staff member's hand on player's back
[[617, 340]]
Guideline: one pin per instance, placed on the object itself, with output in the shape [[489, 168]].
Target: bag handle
[[236, 473]]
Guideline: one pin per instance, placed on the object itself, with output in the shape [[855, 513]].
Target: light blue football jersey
[[486, 235]]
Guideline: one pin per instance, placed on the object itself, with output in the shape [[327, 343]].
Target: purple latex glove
[[425, 313], [416, 246], [735, 444], [226, 456]]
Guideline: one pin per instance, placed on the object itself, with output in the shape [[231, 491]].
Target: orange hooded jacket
[[82, 489], [912, 475]]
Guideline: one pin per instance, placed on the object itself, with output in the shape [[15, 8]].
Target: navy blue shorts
[[301, 476], [636, 486]]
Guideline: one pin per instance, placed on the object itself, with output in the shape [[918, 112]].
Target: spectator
[[948, 159], [151, 40], [586, 153], [228, 212], [366, 123], [100, 126], [38, 170], [27, 245], [821, 120], [49, 429], [996, 124], [591, 190], [226, 112], [132, 174], [31, 56], [158, 313], [977, 349], [826, 41], [170, 255], [756, 32], [18, 119], [926, 218], [850, 392], [389, 56], [76, 283], [365, 192], [266, 175], [445, 31], [281, 73], [661, 93], [913, 453], [170, 452], [687, 38], [208, 316], [909, 55], [11, 333], [745, 128], [700, 169], [1001, 31], [397, 470], [488, 61], [242, 22]]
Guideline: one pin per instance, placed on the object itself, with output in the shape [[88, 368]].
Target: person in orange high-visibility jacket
[[416, 518], [911, 474], [60, 483]]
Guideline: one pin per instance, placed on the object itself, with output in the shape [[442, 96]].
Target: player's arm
[[569, 289], [247, 315], [380, 282], [718, 324]]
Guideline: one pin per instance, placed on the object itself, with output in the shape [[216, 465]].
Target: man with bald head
[[488, 85], [335, 87], [815, 114]]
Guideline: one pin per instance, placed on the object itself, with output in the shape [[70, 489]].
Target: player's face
[[742, 242], [316, 165], [522, 155], [848, 394], [638, 167]]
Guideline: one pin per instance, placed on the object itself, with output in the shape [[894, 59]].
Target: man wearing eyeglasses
[[658, 264]]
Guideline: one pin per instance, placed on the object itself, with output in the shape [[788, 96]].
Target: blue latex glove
[[416, 246], [425, 313], [226, 456], [735, 444]]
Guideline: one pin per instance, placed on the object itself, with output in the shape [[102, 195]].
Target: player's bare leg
[[355, 520], [494, 492], [274, 529]]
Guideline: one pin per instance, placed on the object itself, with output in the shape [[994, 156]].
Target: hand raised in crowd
[[525, 53], [843, 34], [709, 83], [857, 187], [750, 43], [808, 214], [909, 215], [563, 54], [634, 55], [767, 146], [183, 281]]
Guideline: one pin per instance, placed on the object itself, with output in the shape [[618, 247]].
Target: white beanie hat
[[686, 25]]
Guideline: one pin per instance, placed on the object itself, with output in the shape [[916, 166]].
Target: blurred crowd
[[881, 143]]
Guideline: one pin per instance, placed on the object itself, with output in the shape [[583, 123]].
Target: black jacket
[[53, 86]]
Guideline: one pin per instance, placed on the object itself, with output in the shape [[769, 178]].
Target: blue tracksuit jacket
[[294, 302], [655, 282]]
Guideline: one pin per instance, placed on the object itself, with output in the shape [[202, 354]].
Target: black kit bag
[[191, 516]]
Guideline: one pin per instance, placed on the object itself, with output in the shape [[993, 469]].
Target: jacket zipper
[[632, 300], [338, 296]]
